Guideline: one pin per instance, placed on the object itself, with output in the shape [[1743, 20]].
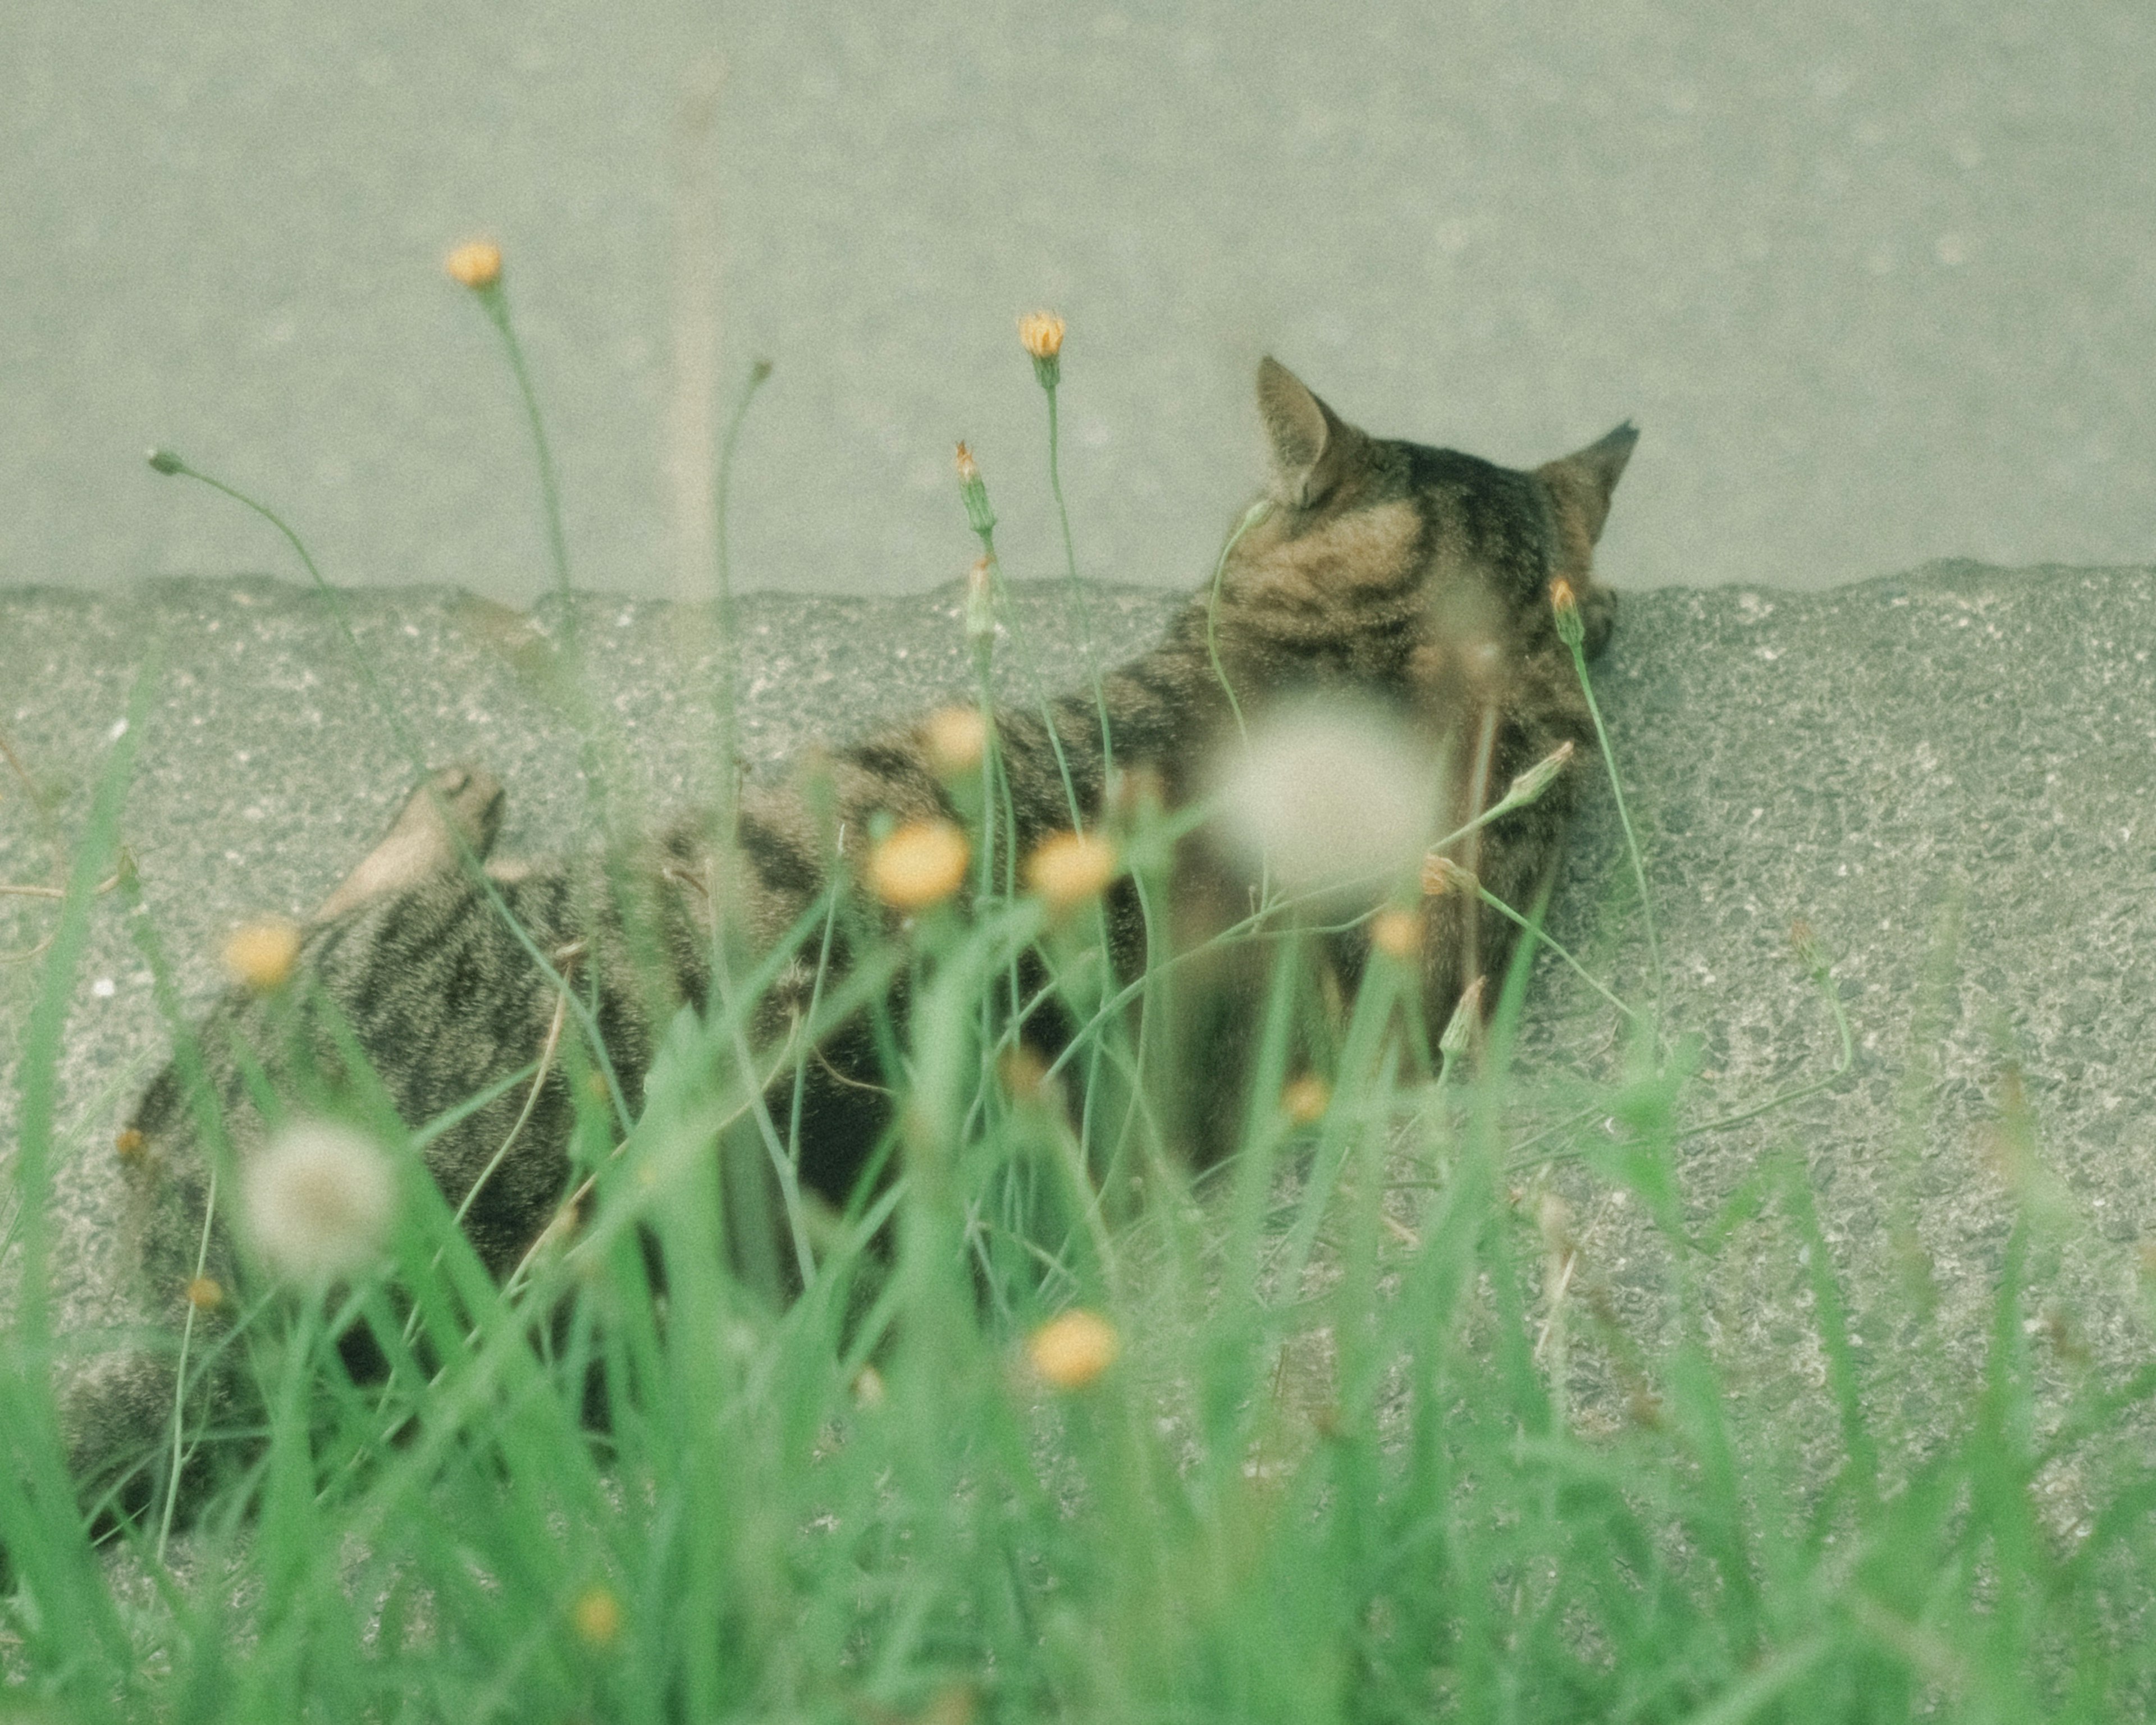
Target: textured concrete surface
[[1951, 776], [1878, 280], [1962, 748]]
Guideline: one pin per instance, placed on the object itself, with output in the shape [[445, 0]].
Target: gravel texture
[[1949, 774]]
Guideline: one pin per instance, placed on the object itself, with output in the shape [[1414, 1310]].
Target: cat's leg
[[457, 802]]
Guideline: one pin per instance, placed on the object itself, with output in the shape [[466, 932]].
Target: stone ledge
[[1959, 742]]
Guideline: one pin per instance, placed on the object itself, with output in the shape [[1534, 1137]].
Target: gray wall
[[1880, 282]]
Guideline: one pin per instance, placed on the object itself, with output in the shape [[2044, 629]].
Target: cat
[[1413, 579]]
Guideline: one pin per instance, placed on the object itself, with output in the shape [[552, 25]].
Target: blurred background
[[1879, 283]]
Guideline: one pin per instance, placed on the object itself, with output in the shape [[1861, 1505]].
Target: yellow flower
[[1397, 933], [922, 864], [954, 739], [1040, 333], [596, 1616], [1071, 1352], [262, 953], [1306, 1099], [1071, 869], [476, 264], [204, 1294]]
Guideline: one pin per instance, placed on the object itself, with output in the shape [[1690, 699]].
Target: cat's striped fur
[[1415, 577]]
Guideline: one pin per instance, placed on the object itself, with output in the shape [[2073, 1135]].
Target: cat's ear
[[1584, 480], [1312, 446]]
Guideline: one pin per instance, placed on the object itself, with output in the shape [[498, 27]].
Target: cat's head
[[1378, 535]]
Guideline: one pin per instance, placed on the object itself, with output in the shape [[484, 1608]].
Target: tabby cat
[[1415, 579]]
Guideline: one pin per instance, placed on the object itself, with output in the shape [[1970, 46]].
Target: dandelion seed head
[[319, 1199], [1330, 797]]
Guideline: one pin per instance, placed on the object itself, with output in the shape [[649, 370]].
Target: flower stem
[[1625, 818], [496, 304], [1077, 587]]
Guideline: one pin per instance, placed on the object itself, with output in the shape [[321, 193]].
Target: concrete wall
[[1879, 282]]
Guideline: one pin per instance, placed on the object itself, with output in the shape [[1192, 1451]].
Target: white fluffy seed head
[[1331, 796], [319, 1200]]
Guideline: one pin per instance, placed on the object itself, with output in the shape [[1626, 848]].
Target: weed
[[1354, 1428]]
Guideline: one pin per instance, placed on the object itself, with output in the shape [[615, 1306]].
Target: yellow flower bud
[[954, 738], [1072, 1350], [1071, 869], [1306, 1099], [476, 264], [262, 953], [1397, 933], [129, 1144], [1040, 333], [204, 1294], [596, 1616], [1563, 601], [920, 864]]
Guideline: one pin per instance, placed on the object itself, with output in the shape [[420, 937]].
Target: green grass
[[1379, 1444]]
